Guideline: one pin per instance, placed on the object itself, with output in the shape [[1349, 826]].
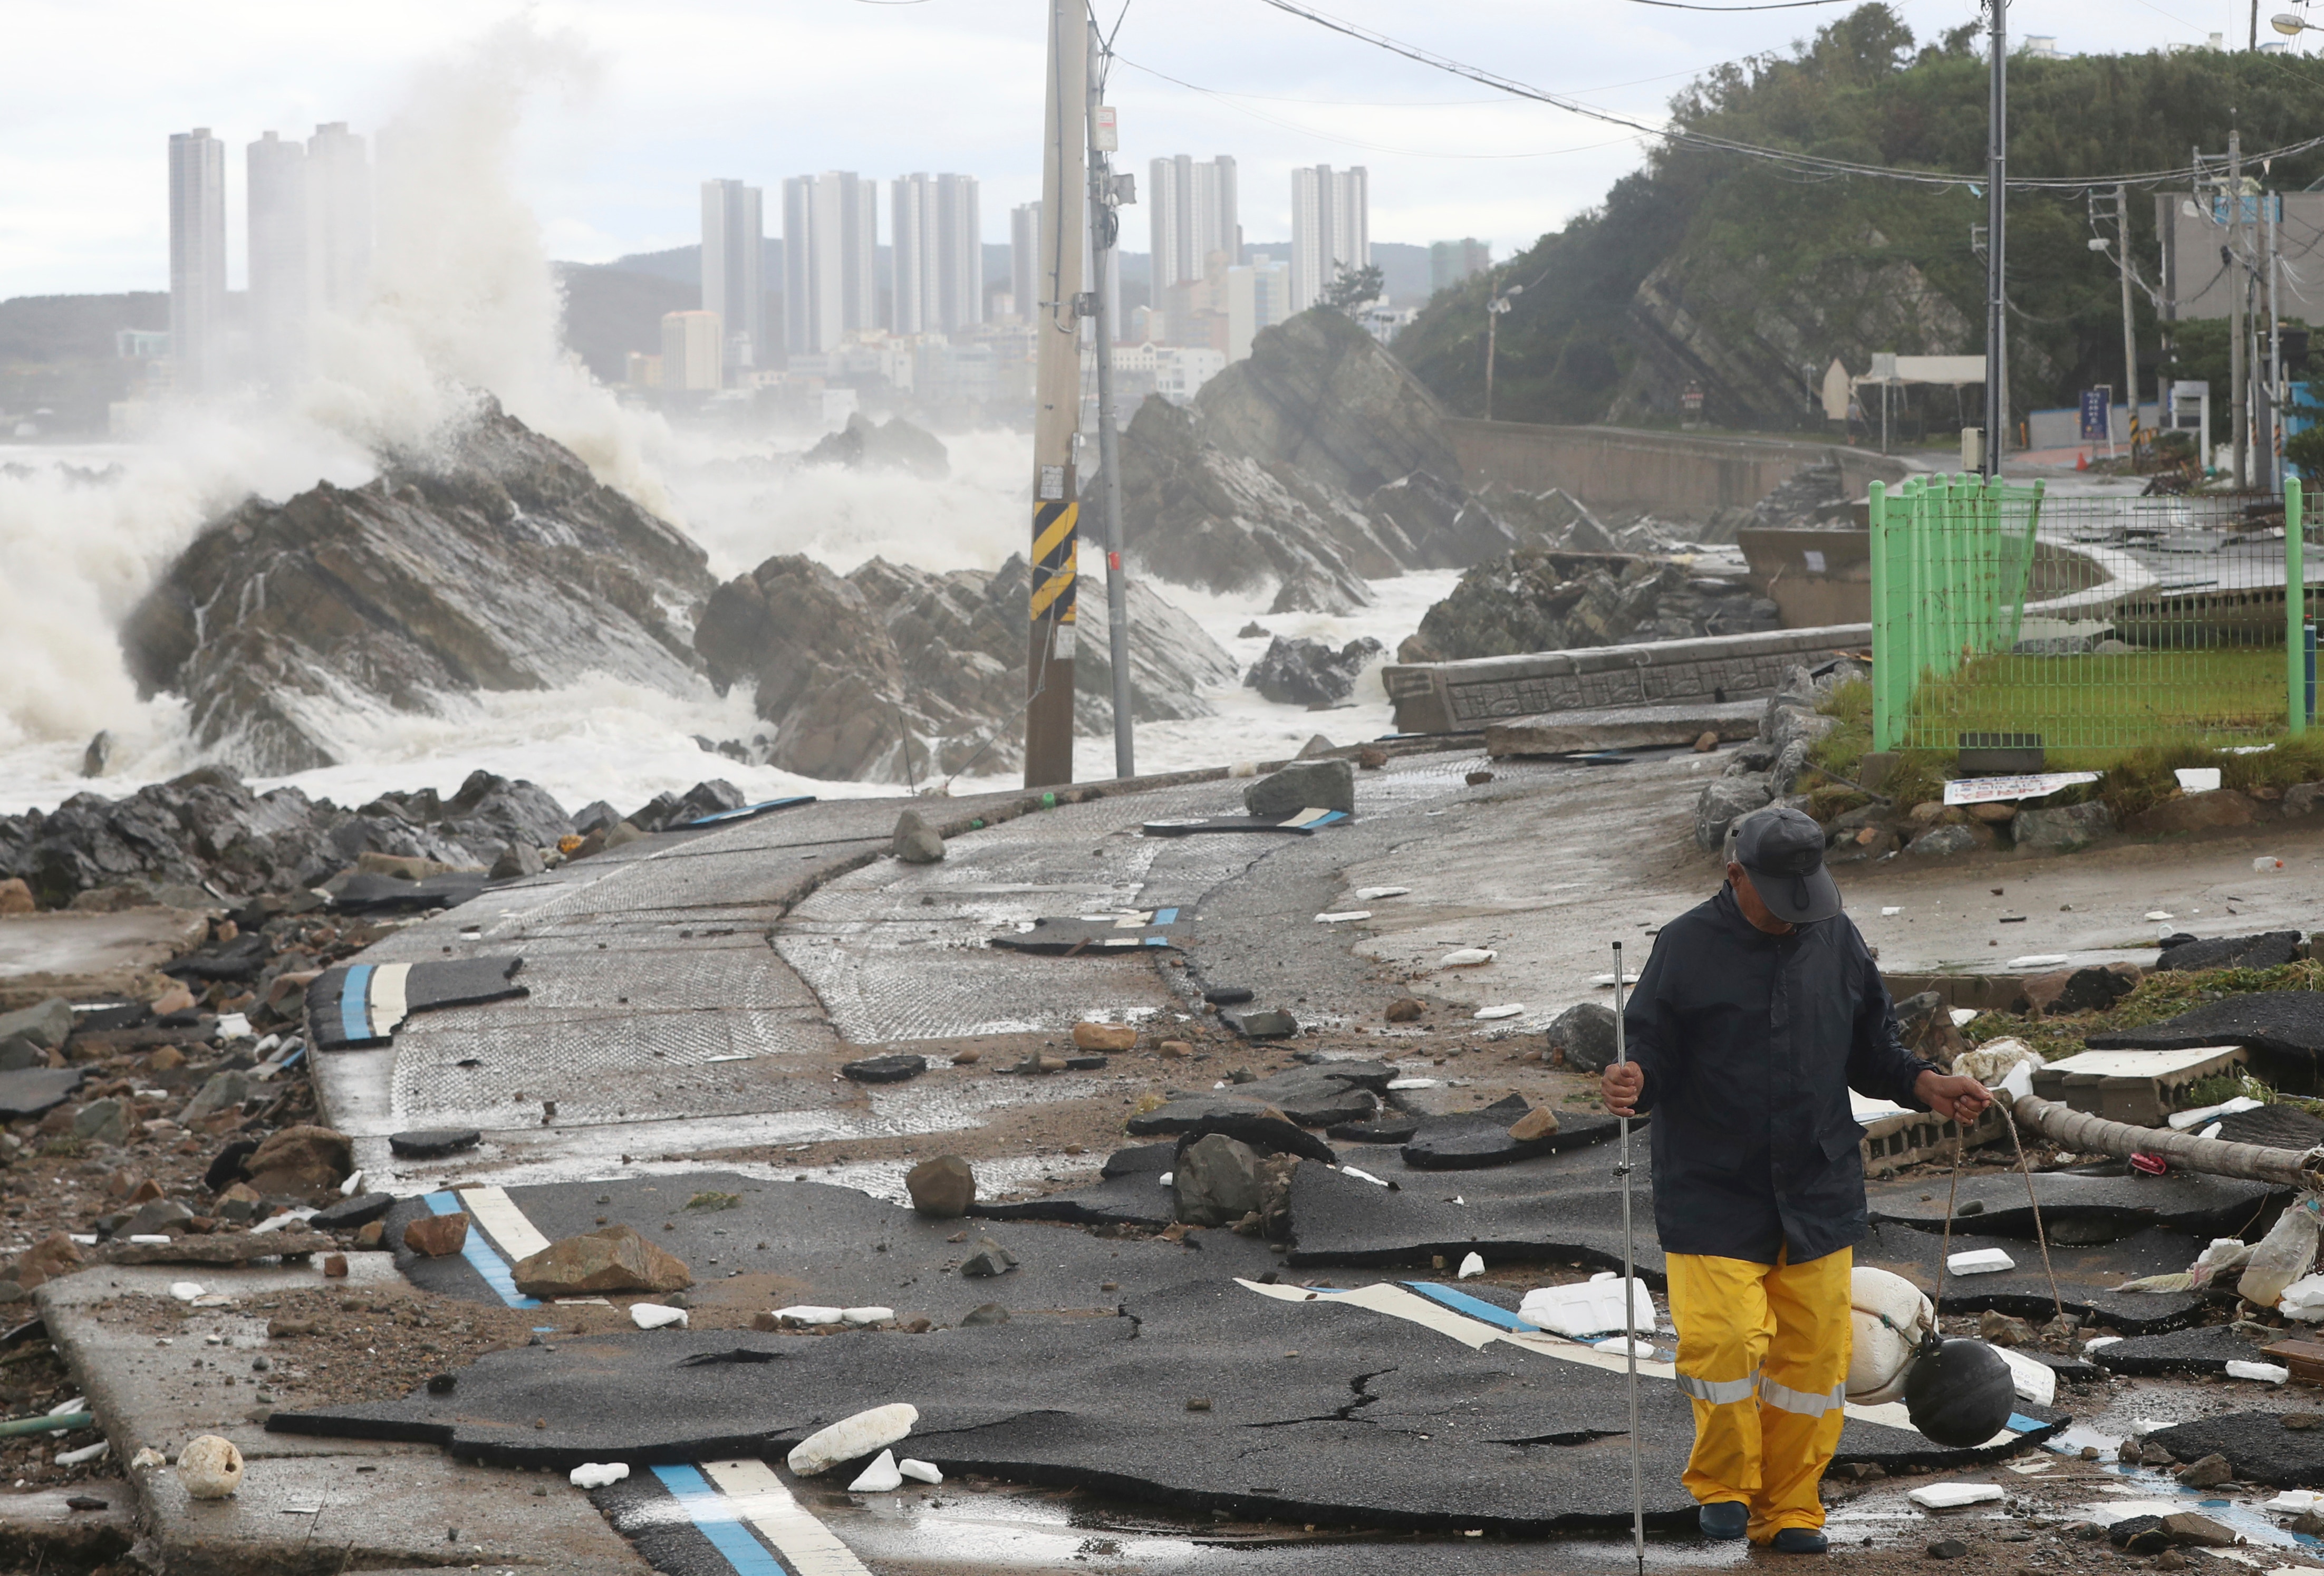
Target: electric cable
[[1796, 160]]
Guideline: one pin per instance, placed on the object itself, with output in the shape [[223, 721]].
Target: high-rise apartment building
[[1331, 228], [959, 254], [1451, 262], [338, 220], [196, 258], [733, 281], [938, 245], [831, 254], [1259, 296], [277, 193], [693, 352], [1025, 260], [1194, 217]]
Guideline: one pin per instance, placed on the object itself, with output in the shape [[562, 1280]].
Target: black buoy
[[1959, 1392]]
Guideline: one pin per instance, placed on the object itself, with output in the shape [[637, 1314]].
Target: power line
[[1809, 163], [1773, 5]]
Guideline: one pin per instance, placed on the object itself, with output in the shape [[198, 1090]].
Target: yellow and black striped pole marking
[[1049, 652]]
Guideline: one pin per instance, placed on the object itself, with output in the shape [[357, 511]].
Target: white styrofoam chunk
[[867, 1316], [185, 1291], [2266, 1372], [352, 1186], [1504, 1009], [2100, 1342], [1472, 1267], [2197, 780], [1373, 894], [919, 1472], [88, 1452], [1980, 1261], [1362, 1175], [810, 1314], [1412, 1082], [597, 1474], [882, 1477], [1343, 915], [1949, 1495], [850, 1438], [159, 1237], [1593, 1307], [2293, 1501], [1617, 1345], [1965, 1016], [655, 1315], [2182, 1120], [1167, 1178], [65, 1408], [2036, 1382], [1466, 957], [2036, 960]]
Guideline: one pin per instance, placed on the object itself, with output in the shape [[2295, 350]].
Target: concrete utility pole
[[2129, 326], [1997, 170], [2236, 285], [1104, 228], [1495, 303], [1057, 407]]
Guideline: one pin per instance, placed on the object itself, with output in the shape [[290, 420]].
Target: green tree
[[1352, 287]]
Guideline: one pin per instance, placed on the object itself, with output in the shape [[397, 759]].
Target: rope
[[1945, 1251], [2039, 1236]]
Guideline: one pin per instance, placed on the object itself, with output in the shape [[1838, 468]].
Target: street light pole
[[1105, 229], [1997, 163]]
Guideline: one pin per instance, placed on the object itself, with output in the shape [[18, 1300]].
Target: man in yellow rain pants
[[1754, 1015]]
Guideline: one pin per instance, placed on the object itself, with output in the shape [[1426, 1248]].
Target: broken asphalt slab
[[2206, 1350], [362, 1004], [1449, 1438], [2288, 1025], [1078, 937], [2256, 1444], [2086, 1275], [1474, 1140], [1311, 1096], [37, 1091], [824, 1244], [2268, 950], [2081, 1211]]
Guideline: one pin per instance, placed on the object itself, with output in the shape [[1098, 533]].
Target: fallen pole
[[2079, 1131]]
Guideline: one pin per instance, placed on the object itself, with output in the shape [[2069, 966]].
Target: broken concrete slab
[[1301, 823], [225, 1247], [2267, 950], [367, 894], [1451, 1438], [2081, 1210], [2086, 1275], [1164, 928], [896, 1068], [433, 1143], [1396, 1127], [2256, 1444], [37, 1091], [2287, 1025], [360, 1005], [2206, 1350], [1623, 728], [354, 1214], [1311, 1096], [1480, 1138]]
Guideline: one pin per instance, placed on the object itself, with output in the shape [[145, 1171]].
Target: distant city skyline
[[631, 113]]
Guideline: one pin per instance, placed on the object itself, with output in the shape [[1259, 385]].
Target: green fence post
[[1885, 655], [2021, 579], [2295, 609]]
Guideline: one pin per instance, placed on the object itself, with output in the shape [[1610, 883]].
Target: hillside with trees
[[1749, 277]]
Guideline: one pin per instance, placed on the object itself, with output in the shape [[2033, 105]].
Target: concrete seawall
[[1669, 473]]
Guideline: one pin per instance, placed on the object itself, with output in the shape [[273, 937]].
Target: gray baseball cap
[[1782, 850]]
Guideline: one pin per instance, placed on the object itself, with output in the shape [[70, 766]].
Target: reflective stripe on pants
[[1762, 1353]]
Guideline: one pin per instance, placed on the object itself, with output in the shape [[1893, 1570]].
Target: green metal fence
[[2005, 613]]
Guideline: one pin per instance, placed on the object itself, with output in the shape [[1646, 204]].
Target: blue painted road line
[[711, 1511], [480, 1255], [355, 1004], [1475, 1307]]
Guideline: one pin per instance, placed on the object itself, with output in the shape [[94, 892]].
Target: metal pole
[[2129, 329], [2274, 358], [1057, 409], [1997, 169], [2236, 285], [1492, 320], [1629, 1318], [1104, 228]]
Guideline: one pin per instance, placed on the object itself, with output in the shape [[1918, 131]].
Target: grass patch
[[2158, 997], [2226, 694]]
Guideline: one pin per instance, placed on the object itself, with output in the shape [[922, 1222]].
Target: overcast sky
[[675, 90]]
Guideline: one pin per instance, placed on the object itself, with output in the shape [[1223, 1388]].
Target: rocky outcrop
[[897, 673], [1537, 601], [493, 560], [893, 445], [1309, 673], [1315, 464]]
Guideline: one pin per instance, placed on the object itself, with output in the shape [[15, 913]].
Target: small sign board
[[1987, 790], [2097, 414], [1105, 133], [1053, 483]]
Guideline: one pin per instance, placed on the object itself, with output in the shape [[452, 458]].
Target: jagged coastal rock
[[492, 561], [893, 445], [897, 673], [1317, 463], [1532, 601]]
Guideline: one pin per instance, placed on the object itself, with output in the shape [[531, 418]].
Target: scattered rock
[[1478, 778], [1926, 1024], [53, 1254], [1309, 673], [517, 859], [2061, 828], [614, 1259], [2302, 1420], [47, 1026], [893, 445], [1216, 1181], [1105, 1037], [915, 841], [1944, 843], [1304, 785], [348, 1214], [2139, 1535], [1724, 801], [941, 1189], [1174, 1050], [1271, 1023], [211, 1468], [2196, 813], [305, 1161], [984, 1313], [890, 1069], [991, 1259], [1947, 1548], [2208, 1473], [436, 1236], [1370, 758], [431, 1143], [1584, 1035], [101, 1121], [1406, 1009], [1706, 742], [1998, 1329], [2087, 989], [1539, 1122], [2188, 1529], [16, 897], [224, 1092], [852, 1438]]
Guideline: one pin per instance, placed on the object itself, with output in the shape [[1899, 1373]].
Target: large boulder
[[490, 559], [1216, 1181], [893, 445], [2061, 828], [1583, 1033], [615, 1259], [1540, 600], [1304, 785], [1309, 673], [306, 1162], [1723, 801], [2196, 813]]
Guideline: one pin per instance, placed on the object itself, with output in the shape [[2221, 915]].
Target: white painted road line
[[496, 1213], [759, 1497]]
